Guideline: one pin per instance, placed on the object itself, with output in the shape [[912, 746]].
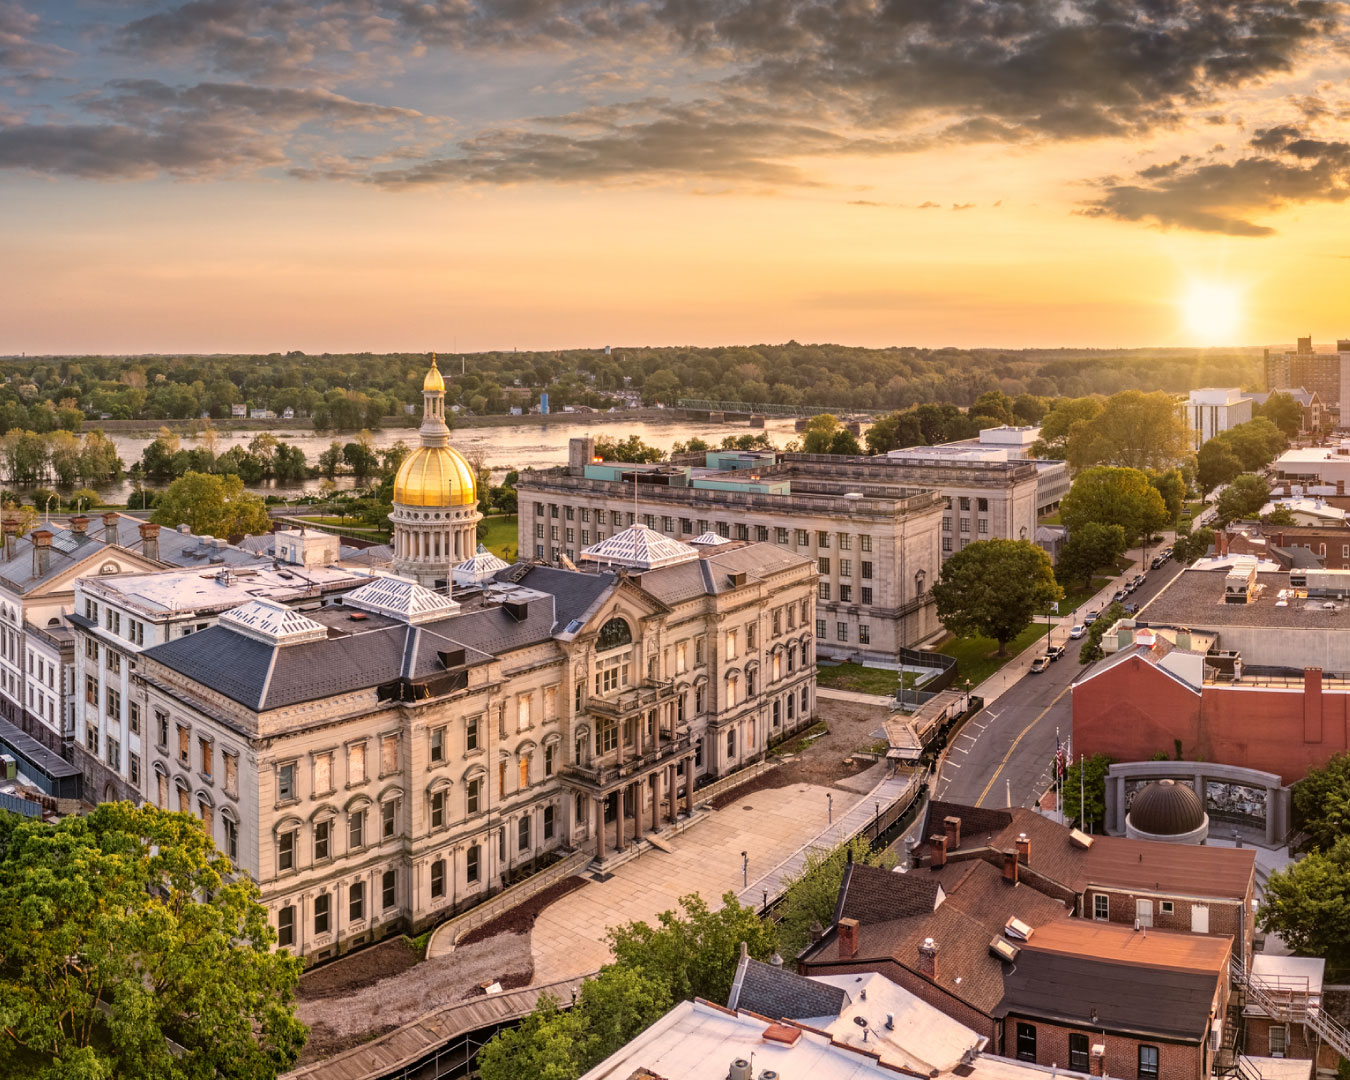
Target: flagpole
[[1082, 792]]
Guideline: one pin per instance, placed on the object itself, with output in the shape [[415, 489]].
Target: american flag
[[1061, 757]]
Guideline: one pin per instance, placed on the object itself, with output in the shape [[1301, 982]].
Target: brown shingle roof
[[873, 895]]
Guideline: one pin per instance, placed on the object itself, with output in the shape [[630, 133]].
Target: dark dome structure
[[1167, 810]]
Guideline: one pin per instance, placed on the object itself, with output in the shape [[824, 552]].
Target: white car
[[1078, 631]]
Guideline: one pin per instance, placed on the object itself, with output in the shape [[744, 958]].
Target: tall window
[[322, 905], [1101, 907], [356, 901], [471, 862], [322, 832], [388, 818], [286, 851], [389, 889], [286, 782], [286, 927], [438, 745], [1078, 1051], [523, 833], [731, 743], [1026, 1043], [231, 839], [438, 810], [548, 823], [438, 879], [356, 830], [474, 794], [1148, 1062], [471, 733]]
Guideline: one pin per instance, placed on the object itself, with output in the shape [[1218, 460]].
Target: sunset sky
[[254, 175]]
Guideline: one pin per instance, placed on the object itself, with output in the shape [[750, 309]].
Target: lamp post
[[829, 801], [745, 869], [49, 506]]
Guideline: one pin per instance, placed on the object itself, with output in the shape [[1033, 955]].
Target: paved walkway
[[568, 938], [855, 696], [845, 825]]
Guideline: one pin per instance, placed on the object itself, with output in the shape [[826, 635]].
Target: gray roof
[[1195, 599], [778, 994]]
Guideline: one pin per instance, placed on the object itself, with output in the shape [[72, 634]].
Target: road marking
[[952, 764], [959, 750], [1006, 757]]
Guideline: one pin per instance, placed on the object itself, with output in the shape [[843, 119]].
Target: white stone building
[[1214, 410]]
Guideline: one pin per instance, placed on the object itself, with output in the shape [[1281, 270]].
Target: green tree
[[1058, 425], [1193, 545], [1256, 443], [125, 929], [212, 506], [1322, 803], [810, 896], [549, 1043], [1089, 548], [1091, 649], [819, 434], [693, 446], [694, 955], [1243, 498], [1216, 463], [1308, 904], [631, 449], [618, 1006], [1282, 411], [1171, 485], [1281, 515], [1134, 430], [993, 589], [1114, 496], [992, 408], [1085, 794], [894, 431], [82, 499]]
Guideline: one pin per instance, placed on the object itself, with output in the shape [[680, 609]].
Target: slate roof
[[871, 894], [780, 994]]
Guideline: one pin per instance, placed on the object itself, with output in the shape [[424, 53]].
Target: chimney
[[42, 552], [149, 539], [110, 528], [937, 847], [1023, 843], [1010, 866], [11, 531], [952, 825], [928, 958], [847, 929], [79, 525], [817, 932], [1097, 1064], [1221, 543]]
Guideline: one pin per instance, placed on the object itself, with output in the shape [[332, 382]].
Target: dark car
[[1131, 609], [1120, 595], [1158, 560], [1055, 652], [1092, 616]]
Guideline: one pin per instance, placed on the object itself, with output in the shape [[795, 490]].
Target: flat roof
[[1195, 598], [1115, 942], [170, 592]]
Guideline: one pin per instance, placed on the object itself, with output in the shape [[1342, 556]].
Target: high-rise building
[[1324, 374]]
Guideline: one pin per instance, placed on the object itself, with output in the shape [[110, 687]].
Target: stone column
[[657, 778], [598, 806], [1273, 813], [689, 784], [618, 819]]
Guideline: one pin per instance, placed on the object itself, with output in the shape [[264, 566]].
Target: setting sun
[[1212, 312]]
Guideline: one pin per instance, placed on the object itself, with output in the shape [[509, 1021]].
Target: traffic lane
[[1012, 743]]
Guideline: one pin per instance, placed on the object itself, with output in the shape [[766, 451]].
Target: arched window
[[733, 688], [613, 635], [731, 743]]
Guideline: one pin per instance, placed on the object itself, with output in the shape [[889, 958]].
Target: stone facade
[[390, 805]]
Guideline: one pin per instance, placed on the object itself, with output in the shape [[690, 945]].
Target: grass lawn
[[975, 658], [500, 537], [1050, 519], [859, 679], [351, 527]]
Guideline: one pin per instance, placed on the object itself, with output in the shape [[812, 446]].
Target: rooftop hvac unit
[[9, 768], [769, 1074], [741, 1070]]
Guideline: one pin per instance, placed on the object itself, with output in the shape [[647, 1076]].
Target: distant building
[[1320, 470], [1002, 444], [1212, 411], [239, 410], [288, 413], [1323, 374], [1308, 511], [1313, 418]]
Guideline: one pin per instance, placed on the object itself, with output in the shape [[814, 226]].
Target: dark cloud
[[119, 152], [1289, 166], [21, 50]]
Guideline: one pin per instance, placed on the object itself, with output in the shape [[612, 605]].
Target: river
[[506, 447]]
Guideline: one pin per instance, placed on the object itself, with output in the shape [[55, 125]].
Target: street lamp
[[50, 497], [829, 800], [745, 869]]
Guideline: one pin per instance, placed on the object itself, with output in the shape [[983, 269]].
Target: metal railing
[[1290, 1000], [626, 701], [608, 771]]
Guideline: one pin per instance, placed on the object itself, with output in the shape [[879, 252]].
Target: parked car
[[1138, 580], [1131, 609], [1078, 631], [1158, 560], [1120, 595], [1054, 652], [1092, 616], [1127, 588], [1040, 664]]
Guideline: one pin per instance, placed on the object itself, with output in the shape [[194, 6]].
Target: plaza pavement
[[568, 938]]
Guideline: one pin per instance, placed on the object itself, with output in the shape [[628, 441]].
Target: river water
[[505, 447]]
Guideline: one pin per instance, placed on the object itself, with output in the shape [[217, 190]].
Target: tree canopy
[[993, 589], [811, 895], [824, 434], [124, 929], [1089, 548], [1283, 411], [1134, 430], [1108, 495], [1242, 498], [212, 506]]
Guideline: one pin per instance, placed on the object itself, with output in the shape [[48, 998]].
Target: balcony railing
[[603, 773], [627, 702]]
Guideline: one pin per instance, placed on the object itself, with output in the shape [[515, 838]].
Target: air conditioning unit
[[741, 1070], [9, 768]]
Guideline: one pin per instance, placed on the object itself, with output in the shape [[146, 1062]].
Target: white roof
[[639, 548], [266, 620], [168, 593], [479, 568], [1304, 505], [710, 539], [402, 599], [1278, 1068], [1287, 970], [920, 1038]]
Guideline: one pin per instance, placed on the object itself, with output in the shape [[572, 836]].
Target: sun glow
[[1212, 312]]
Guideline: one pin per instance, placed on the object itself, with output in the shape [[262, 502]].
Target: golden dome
[[433, 381], [435, 476]]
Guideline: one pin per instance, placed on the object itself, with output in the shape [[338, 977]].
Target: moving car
[[1040, 664], [1078, 631], [1054, 652], [1131, 609], [1092, 616]]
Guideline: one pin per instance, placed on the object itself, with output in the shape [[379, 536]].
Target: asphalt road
[[1004, 754]]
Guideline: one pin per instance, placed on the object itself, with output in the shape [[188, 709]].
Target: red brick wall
[[1175, 1061], [1134, 710], [1224, 919]]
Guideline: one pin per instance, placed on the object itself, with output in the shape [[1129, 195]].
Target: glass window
[[286, 781], [823, 590], [322, 830], [471, 862], [471, 733], [231, 838], [1078, 1051], [389, 889], [1101, 907], [820, 628], [438, 810], [322, 904], [388, 818], [438, 879], [356, 830], [822, 539], [474, 794], [356, 901], [286, 927], [548, 823], [286, 851], [523, 833], [1026, 1033], [1148, 1061], [846, 594], [864, 634], [865, 542], [438, 744], [867, 594], [823, 565], [841, 631]]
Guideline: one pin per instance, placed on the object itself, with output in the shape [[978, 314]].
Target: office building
[[1214, 410]]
